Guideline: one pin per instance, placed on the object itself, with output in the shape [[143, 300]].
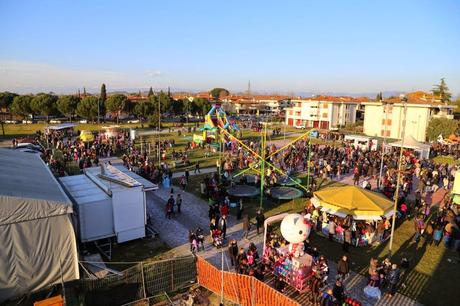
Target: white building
[[322, 112], [387, 117]]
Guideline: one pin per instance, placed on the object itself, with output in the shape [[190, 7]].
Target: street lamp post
[[383, 144], [398, 183], [159, 130], [98, 110], [190, 99]]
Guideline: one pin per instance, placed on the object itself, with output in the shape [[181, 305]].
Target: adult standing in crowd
[[260, 219]]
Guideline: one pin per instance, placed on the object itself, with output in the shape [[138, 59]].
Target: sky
[[280, 46]]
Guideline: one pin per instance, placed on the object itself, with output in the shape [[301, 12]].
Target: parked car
[[29, 146], [27, 121], [11, 121], [134, 121], [83, 121], [30, 151]]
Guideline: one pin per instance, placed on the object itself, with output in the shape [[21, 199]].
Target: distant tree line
[[88, 107]]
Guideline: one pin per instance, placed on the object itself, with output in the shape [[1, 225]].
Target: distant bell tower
[[249, 88]]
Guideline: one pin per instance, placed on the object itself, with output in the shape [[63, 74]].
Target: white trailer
[[110, 202]]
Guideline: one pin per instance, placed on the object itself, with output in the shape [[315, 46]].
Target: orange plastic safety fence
[[241, 289]]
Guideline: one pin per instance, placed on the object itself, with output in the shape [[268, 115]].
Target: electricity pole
[[384, 143], [398, 183]]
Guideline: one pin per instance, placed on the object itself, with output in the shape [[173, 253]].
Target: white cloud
[[24, 77], [154, 73]]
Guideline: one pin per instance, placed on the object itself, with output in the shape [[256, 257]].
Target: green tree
[[87, 108], [200, 106], [218, 93], [179, 106], [116, 104], [67, 105], [103, 96], [457, 104], [6, 99], [379, 97], [143, 109], [165, 102], [150, 92], [440, 126], [44, 104], [441, 91], [21, 106]]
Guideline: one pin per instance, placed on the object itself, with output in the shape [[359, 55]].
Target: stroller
[[200, 238], [217, 239]]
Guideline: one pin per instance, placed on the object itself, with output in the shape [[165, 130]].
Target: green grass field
[[446, 160]]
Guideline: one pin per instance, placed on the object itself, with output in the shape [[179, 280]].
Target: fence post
[[253, 295], [172, 274], [143, 279]]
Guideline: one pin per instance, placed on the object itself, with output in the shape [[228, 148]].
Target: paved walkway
[[195, 213]]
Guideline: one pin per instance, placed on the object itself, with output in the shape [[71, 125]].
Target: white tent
[[410, 143], [38, 245]]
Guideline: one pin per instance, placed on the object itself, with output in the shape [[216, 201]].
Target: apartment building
[[323, 112], [387, 117]]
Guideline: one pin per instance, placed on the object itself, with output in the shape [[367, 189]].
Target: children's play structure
[[215, 119]]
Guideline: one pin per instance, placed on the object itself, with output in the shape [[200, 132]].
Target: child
[[437, 235]]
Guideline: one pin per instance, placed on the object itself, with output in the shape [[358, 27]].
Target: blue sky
[[281, 46]]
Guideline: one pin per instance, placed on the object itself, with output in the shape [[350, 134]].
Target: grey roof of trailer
[[83, 190], [132, 178], [146, 183]]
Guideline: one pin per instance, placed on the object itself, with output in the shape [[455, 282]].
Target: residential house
[[323, 112], [387, 117]]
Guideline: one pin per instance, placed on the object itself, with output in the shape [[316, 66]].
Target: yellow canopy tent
[[360, 203], [86, 136]]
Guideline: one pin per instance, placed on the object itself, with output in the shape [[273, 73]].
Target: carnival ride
[[264, 163]]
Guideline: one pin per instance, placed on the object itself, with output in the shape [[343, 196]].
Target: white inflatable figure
[[295, 229]]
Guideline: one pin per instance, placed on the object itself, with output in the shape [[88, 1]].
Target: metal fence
[[137, 283]]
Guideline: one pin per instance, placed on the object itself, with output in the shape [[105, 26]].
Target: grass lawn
[[147, 249], [21, 130], [446, 160]]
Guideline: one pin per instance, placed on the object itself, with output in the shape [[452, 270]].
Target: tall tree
[[44, 104], [103, 96], [116, 104], [441, 91], [87, 108], [6, 99], [67, 105], [150, 92], [440, 126], [21, 106], [217, 92], [165, 102]]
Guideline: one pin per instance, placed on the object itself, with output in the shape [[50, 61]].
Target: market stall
[[410, 143], [358, 210], [354, 201]]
